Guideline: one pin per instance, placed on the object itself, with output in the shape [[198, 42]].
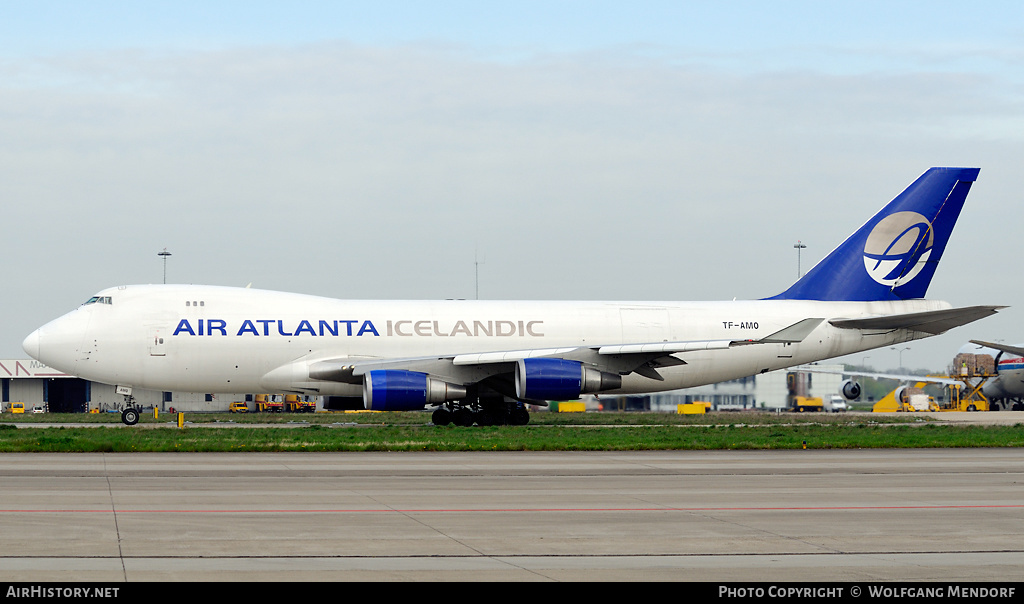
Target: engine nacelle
[[850, 390], [398, 390], [560, 380], [901, 395]]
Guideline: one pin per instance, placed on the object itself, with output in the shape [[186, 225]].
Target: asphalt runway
[[861, 515]]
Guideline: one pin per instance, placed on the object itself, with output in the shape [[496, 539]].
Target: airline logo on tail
[[893, 256], [899, 242]]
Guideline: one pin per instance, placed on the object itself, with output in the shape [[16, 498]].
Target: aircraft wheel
[[482, 418], [489, 416], [441, 417], [462, 417], [519, 417], [130, 416]]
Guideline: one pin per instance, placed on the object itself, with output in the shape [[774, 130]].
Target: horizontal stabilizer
[[1017, 350], [933, 321]]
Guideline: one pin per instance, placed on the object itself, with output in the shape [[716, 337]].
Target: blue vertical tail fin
[[894, 255]]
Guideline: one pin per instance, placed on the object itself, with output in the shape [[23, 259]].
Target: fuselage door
[[157, 347]]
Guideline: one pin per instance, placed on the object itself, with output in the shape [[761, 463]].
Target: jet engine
[[398, 390], [850, 390], [560, 380]]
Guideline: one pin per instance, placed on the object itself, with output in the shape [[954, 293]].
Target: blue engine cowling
[[560, 380], [398, 390]]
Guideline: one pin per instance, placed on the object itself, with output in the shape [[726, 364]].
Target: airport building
[[36, 385], [763, 392]]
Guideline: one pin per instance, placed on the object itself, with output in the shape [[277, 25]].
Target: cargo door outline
[[645, 325]]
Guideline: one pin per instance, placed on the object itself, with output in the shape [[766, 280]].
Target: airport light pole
[[799, 246], [901, 354], [476, 273], [164, 254]]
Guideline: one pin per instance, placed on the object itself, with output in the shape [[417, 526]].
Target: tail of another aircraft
[[894, 255]]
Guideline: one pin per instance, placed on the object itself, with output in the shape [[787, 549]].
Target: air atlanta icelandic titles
[[358, 327]]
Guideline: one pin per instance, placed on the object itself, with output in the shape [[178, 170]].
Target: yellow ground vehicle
[[801, 404], [972, 370], [265, 403], [798, 384], [906, 399], [295, 404], [238, 407], [968, 398], [17, 407]]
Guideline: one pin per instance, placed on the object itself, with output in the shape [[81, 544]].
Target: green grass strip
[[506, 438]]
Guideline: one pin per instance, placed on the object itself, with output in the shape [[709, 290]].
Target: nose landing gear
[[130, 416], [131, 413]]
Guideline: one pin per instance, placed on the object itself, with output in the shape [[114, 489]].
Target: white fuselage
[[219, 339], [1009, 384]]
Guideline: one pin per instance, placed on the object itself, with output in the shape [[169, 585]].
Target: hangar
[[769, 391], [33, 383]]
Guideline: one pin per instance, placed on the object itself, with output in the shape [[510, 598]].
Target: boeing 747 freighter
[[483, 361]]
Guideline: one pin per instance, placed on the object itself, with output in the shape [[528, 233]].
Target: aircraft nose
[[31, 345]]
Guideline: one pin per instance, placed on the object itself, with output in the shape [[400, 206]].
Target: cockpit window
[[99, 300]]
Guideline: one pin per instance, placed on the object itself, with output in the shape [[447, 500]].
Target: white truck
[[837, 404]]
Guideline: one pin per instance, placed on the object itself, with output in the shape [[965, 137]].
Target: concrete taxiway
[[866, 515]]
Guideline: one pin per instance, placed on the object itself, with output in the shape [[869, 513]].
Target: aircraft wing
[[1017, 350], [933, 321], [619, 359], [881, 376]]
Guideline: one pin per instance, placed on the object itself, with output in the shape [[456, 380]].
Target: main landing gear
[[1006, 404], [499, 414]]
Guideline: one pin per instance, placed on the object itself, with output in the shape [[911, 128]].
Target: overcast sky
[[575, 149]]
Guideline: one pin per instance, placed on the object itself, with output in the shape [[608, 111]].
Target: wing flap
[[664, 347]]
